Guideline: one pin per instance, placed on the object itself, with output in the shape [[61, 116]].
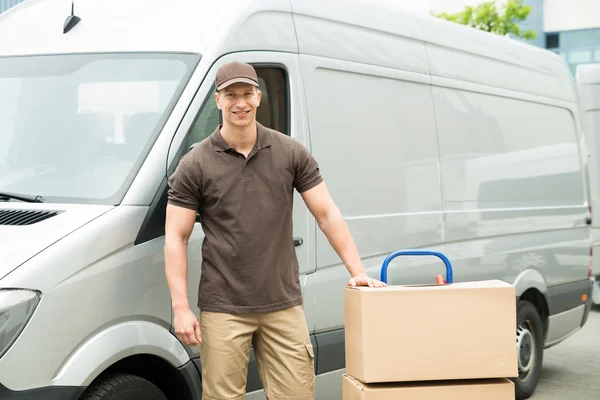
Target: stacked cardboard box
[[423, 342]]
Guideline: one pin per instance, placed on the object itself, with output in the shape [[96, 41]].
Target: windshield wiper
[[23, 197]]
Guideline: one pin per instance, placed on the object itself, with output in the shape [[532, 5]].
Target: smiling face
[[238, 102]]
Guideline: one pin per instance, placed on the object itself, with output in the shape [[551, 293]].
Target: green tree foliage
[[501, 19]]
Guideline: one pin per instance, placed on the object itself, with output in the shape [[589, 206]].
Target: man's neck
[[242, 139]]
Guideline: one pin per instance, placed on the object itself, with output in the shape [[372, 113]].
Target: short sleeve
[[185, 187], [306, 169]]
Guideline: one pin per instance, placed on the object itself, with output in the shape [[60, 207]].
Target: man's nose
[[241, 102]]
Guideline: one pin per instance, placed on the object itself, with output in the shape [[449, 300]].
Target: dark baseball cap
[[235, 72]]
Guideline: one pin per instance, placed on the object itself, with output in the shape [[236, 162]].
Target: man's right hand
[[187, 327]]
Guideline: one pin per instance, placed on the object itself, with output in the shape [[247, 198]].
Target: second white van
[[588, 83]]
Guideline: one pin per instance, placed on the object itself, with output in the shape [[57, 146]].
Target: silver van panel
[[328, 386], [563, 325], [345, 33], [20, 243], [455, 53], [115, 343], [528, 279]]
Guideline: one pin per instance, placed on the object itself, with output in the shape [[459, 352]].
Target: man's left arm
[[332, 223]]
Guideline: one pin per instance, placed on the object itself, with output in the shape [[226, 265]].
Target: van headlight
[[16, 307]]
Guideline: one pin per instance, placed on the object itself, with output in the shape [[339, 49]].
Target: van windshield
[[75, 128]]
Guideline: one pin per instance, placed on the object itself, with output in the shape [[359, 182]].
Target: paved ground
[[572, 368]]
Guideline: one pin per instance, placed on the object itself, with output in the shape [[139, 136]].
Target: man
[[241, 181]]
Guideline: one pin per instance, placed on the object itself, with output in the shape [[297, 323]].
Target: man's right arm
[[184, 199], [178, 228]]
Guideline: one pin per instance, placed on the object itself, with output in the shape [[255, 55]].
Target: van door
[[373, 134], [281, 109]]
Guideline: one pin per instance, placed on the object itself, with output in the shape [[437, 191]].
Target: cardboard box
[[431, 332], [488, 389]]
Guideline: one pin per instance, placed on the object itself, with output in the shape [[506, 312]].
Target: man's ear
[[218, 100], [259, 95]]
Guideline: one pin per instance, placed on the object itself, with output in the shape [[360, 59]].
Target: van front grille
[[24, 217]]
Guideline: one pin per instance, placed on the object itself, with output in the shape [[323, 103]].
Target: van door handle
[[298, 241]]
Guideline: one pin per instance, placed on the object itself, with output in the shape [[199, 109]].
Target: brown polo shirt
[[249, 260]]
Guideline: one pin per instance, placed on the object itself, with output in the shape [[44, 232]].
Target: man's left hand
[[364, 280]]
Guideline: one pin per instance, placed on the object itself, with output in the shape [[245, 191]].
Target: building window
[[552, 41], [580, 56], [581, 38]]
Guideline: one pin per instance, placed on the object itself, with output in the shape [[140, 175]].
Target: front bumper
[[43, 393]]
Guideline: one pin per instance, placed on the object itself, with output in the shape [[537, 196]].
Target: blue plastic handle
[[395, 254]]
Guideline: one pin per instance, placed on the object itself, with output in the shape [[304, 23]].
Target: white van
[[588, 83], [429, 135]]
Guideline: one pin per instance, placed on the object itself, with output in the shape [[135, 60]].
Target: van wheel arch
[[540, 303], [155, 370]]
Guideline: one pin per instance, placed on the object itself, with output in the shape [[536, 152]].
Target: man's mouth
[[241, 113]]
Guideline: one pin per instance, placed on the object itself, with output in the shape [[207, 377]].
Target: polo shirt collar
[[220, 144]]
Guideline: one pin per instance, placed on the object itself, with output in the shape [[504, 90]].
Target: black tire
[[123, 387], [531, 341]]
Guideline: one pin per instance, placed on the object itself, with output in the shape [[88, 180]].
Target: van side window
[[272, 112]]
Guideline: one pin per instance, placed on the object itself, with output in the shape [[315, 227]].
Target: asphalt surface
[[571, 369]]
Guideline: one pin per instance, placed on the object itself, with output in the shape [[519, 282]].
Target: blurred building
[[572, 29]]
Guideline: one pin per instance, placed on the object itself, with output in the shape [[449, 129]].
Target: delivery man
[[241, 181]]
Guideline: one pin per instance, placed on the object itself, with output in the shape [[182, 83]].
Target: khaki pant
[[284, 354]]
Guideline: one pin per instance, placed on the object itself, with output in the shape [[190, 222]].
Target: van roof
[[588, 74], [212, 28], [36, 26]]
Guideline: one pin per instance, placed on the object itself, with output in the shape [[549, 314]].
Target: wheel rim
[[525, 349]]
